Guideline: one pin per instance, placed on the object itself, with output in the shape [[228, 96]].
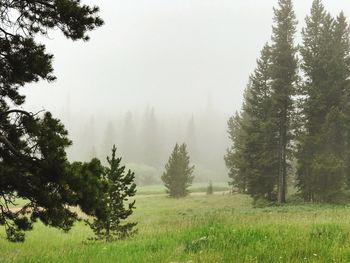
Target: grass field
[[195, 188], [201, 228]]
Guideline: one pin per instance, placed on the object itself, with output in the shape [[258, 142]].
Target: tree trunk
[[282, 170]]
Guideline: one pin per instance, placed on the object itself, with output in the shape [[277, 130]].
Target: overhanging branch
[[18, 154]]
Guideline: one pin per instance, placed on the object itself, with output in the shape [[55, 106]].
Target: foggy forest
[[174, 131]]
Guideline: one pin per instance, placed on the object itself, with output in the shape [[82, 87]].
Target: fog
[[159, 72]]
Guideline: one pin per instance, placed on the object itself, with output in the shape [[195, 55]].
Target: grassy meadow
[[200, 228]]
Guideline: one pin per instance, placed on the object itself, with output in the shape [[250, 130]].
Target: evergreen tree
[[283, 84], [322, 153], [261, 149], [178, 172], [119, 187], [234, 158], [252, 159], [33, 161], [210, 189], [191, 140], [150, 137]]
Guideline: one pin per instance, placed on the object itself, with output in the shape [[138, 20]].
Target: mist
[[157, 73]]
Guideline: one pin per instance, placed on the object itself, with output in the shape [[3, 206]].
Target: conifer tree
[[261, 142], [120, 187], [283, 84], [178, 172], [210, 189], [150, 139], [252, 158], [33, 161], [323, 142], [234, 157]]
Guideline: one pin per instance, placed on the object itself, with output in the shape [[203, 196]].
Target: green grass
[[201, 228], [195, 188]]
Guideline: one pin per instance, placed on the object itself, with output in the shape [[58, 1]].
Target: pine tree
[[119, 187], [178, 172], [252, 158], [316, 54], [261, 151], [323, 153], [283, 83], [33, 161], [150, 139], [210, 188], [234, 158]]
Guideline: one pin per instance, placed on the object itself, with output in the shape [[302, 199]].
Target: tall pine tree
[[252, 159], [323, 154], [283, 85]]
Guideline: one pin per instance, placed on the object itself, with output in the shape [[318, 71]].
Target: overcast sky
[[175, 55]]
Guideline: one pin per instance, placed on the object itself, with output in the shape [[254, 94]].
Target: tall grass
[[202, 228]]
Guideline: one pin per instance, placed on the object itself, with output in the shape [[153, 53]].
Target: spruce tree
[[283, 84], [262, 143], [234, 157], [178, 172], [323, 143], [252, 158], [120, 187], [316, 54]]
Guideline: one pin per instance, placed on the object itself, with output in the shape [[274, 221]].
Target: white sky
[[171, 54]]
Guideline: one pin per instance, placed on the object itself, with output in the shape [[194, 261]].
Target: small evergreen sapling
[[120, 186], [178, 172]]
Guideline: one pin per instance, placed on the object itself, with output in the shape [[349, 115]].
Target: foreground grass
[[201, 228]]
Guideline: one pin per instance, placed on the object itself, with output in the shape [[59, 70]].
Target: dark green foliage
[[283, 85], [119, 187], [262, 133], [252, 157], [88, 188], [268, 130], [323, 153], [210, 189], [33, 162], [178, 172], [261, 149], [234, 158]]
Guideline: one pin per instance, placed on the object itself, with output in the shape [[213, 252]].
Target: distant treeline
[[146, 138], [294, 125]]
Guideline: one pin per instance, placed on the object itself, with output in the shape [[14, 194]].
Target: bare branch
[[29, 114], [10, 146]]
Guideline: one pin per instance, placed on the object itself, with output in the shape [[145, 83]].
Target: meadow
[[200, 228]]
